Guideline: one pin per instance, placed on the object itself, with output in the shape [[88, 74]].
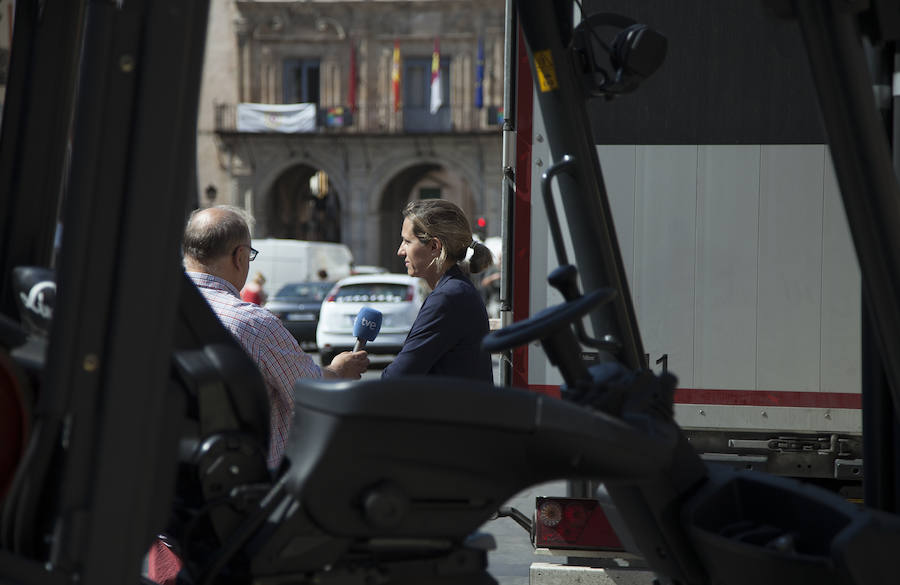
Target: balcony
[[367, 119]]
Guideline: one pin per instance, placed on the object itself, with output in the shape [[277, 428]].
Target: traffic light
[[481, 227]]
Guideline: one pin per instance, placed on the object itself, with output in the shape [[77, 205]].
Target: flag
[[479, 75], [395, 76], [276, 117], [436, 97], [351, 91]]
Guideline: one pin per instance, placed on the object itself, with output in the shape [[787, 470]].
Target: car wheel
[[326, 357]]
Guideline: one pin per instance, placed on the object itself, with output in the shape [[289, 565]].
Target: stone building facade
[[375, 143], [7, 16]]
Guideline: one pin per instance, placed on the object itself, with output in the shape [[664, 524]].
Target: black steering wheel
[[547, 322]]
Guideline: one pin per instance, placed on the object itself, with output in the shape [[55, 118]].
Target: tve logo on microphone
[[366, 326]]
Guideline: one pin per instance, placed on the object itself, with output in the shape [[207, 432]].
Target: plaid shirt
[[273, 349]]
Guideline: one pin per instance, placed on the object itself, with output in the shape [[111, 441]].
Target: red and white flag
[[436, 96]]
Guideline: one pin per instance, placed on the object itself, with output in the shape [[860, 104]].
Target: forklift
[[130, 412]]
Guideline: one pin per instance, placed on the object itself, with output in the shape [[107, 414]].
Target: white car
[[397, 296]]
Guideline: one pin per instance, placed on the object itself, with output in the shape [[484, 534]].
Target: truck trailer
[[734, 242]]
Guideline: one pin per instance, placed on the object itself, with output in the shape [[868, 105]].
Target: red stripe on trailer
[[848, 400], [768, 398], [522, 208]]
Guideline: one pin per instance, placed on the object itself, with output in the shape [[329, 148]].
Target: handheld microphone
[[366, 327]]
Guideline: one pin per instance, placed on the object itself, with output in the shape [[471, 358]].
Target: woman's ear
[[436, 245]]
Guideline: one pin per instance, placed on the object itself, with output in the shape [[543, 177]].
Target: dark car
[[297, 304]]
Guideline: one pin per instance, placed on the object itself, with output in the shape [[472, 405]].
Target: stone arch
[[383, 174], [395, 183], [278, 214]]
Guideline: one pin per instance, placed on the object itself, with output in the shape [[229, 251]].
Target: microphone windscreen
[[368, 324]]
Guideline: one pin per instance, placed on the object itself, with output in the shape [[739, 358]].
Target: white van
[[283, 261]]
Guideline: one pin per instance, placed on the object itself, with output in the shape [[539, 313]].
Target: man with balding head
[[217, 256]]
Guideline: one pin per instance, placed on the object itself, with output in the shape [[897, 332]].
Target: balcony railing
[[382, 119]]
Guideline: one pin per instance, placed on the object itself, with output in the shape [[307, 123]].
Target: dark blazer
[[445, 339]]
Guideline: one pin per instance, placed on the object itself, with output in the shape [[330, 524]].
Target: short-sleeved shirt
[[273, 349]]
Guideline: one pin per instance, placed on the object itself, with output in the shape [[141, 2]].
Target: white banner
[[276, 117]]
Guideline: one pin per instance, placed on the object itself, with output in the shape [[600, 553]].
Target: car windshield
[[304, 291], [373, 292]]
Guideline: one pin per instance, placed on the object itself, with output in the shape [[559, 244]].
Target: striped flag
[[479, 75], [436, 96], [395, 76], [351, 91]]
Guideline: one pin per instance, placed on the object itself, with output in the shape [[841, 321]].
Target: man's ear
[[236, 258]]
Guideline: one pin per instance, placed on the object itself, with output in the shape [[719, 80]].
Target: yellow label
[[543, 63]]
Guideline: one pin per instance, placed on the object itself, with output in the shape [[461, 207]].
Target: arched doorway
[[421, 181], [303, 205]]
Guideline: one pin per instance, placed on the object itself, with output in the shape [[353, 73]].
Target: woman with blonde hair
[[445, 338]]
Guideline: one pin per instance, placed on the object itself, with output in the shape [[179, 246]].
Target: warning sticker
[[543, 63]]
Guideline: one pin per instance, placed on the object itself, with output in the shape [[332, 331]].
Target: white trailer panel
[[742, 273], [841, 297], [790, 267], [725, 292], [665, 246]]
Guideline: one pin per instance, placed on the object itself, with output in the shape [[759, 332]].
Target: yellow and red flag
[[395, 76]]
